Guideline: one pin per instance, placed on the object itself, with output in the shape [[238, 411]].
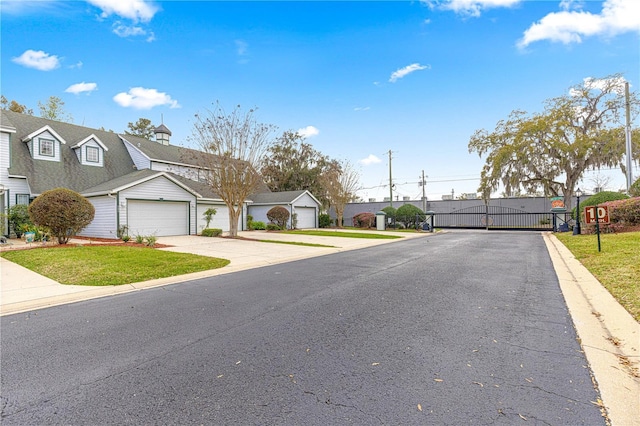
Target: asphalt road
[[458, 328]]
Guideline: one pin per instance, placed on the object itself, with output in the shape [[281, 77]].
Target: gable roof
[[118, 170], [68, 172], [87, 139], [134, 178], [284, 197], [45, 128]]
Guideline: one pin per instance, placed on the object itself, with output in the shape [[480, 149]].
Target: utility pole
[[628, 138], [390, 182], [423, 183]]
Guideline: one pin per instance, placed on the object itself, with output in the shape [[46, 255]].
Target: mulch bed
[[84, 241]]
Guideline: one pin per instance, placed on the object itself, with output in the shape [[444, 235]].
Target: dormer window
[[90, 151], [45, 144], [93, 154], [47, 147]]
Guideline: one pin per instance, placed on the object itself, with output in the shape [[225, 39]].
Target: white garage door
[[159, 218], [306, 217]]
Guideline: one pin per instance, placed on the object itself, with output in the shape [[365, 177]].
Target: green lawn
[[617, 266], [342, 234], [109, 265]]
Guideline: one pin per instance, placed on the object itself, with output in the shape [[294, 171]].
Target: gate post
[[431, 213]]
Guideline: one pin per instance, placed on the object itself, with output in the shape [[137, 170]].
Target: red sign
[[591, 216]]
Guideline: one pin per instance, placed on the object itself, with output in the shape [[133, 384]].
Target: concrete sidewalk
[[609, 335]]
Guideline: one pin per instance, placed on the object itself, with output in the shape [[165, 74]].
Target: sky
[[363, 80]]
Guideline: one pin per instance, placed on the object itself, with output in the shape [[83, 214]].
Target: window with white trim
[[93, 154], [47, 147], [22, 199]]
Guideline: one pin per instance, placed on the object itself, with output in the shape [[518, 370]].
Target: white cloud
[[81, 87], [135, 10], [362, 108], [469, 7], [571, 26], [38, 59], [371, 159], [141, 98], [402, 72], [309, 131]]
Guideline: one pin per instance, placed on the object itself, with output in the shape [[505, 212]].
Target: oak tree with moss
[[551, 150]]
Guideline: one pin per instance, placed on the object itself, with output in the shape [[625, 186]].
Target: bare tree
[[341, 184], [234, 144]]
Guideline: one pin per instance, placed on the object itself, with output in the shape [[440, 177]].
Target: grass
[[109, 265], [341, 234], [617, 266]]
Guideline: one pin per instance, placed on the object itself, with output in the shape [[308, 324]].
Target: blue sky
[[359, 78]]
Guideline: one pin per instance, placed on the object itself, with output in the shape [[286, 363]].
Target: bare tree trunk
[[234, 216]]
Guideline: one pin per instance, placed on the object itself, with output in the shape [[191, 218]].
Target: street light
[[576, 229]]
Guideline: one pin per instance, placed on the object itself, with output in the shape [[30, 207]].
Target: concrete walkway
[[609, 335]]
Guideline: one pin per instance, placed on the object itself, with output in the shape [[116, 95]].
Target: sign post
[[596, 214]]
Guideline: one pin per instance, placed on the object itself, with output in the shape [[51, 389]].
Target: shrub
[[634, 190], [211, 232], [278, 215], [622, 214], [597, 199], [250, 222], [273, 227], [294, 221], [63, 212], [150, 240], [259, 225], [324, 220], [126, 238], [123, 231], [390, 212], [364, 220], [208, 215], [18, 217], [409, 215], [139, 239], [391, 215]]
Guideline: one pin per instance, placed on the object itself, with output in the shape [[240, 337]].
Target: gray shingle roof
[[69, 172], [119, 169], [283, 197]]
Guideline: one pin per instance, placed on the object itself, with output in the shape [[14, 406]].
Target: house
[[302, 204], [148, 187]]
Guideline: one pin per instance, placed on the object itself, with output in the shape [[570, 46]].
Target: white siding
[[259, 213], [141, 161], [104, 224], [160, 189], [36, 147], [187, 172], [82, 154], [220, 220]]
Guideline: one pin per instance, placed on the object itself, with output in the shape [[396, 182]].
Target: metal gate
[[495, 218]]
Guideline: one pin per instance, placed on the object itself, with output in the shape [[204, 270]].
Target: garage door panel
[[306, 217], [158, 218]]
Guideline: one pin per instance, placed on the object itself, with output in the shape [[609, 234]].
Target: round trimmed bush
[[278, 215], [409, 215], [63, 211]]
